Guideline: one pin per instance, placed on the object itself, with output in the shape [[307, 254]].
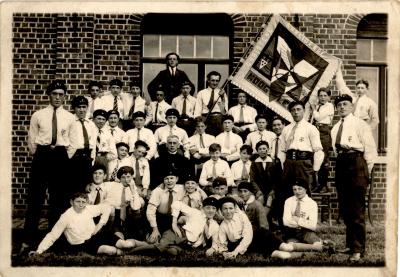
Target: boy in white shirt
[[213, 168], [118, 134], [194, 196], [241, 169], [300, 217], [81, 232], [105, 143], [142, 168], [159, 108], [260, 134], [229, 141], [123, 160]]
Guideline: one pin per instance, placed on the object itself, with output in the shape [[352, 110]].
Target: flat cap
[[343, 97], [100, 112]]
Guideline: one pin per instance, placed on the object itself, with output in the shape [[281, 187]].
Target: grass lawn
[[374, 255]]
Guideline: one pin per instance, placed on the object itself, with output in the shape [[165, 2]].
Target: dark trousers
[[292, 169], [214, 124], [49, 171], [351, 183], [326, 141], [81, 170], [187, 124]]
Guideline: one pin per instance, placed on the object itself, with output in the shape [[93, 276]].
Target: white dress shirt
[[308, 213], [237, 169], [324, 114], [281, 151], [159, 201], [257, 135], [118, 134], [306, 138], [117, 164], [77, 227], [107, 142], [93, 104], [194, 199], [77, 139], [194, 142], [177, 103], [235, 142], [162, 133], [203, 98], [147, 136], [92, 193], [249, 116], [113, 192], [356, 136], [222, 170], [162, 108], [144, 170], [239, 227], [40, 130], [140, 106], [195, 227], [107, 103], [366, 109]]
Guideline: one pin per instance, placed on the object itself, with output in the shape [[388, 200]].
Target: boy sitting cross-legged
[[82, 233]]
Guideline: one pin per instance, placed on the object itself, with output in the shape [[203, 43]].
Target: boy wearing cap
[[162, 133], [260, 134], [159, 206], [81, 232], [213, 168], [105, 143], [141, 133], [199, 228], [49, 137], [113, 101], [83, 145], [113, 124], [235, 231], [159, 108], [229, 141], [185, 104], [353, 142], [94, 97], [142, 168], [123, 160], [133, 102], [194, 196]]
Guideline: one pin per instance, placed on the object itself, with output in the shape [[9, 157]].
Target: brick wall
[[82, 47]]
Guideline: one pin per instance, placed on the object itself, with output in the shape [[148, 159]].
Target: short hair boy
[[229, 141], [194, 196], [241, 169], [114, 126], [123, 160]]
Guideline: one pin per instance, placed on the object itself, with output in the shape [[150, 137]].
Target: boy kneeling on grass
[[81, 232], [300, 217]]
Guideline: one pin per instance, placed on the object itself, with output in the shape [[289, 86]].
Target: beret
[[100, 112], [116, 82], [295, 103], [210, 201], [170, 171], [189, 177], [246, 185], [172, 111], [138, 114], [142, 143], [227, 117], [226, 199], [79, 100], [56, 84], [110, 112], [219, 181], [343, 97], [301, 183], [119, 144]]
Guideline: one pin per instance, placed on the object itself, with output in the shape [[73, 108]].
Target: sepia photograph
[[199, 138]]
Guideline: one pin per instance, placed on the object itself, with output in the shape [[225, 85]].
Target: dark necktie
[[339, 134], [132, 110], [85, 134], [170, 199], [54, 128], [184, 105], [138, 179], [112, 131], [313, 121], [241, 116], [276, 147], [211, 101], [201, 141], [97, 200], [115, 171], [115, 106], [156, 113], [98, 140]]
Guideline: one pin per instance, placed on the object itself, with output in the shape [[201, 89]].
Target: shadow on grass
[[196, 258]]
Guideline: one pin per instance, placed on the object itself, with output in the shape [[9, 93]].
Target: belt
[[322, 124], [350, 152], [101, 154], [212, 114], [299, 155], [83, 152], [240, 124]]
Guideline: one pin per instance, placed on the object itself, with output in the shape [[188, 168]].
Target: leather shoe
[[344, 251], [329, 246], [355, 257]]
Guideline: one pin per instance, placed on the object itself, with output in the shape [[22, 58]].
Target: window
[[202, 47], [372, 66]]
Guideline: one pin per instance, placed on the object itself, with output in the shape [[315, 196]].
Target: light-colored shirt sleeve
[[247, 235], [53, 235], [309, 218], [287, 214]]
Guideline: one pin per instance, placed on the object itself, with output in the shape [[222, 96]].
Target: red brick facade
[[83, 47]]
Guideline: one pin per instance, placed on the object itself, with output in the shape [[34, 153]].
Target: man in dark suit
[[169, 79]]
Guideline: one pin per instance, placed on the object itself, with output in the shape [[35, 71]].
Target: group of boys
[[228, 187]]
